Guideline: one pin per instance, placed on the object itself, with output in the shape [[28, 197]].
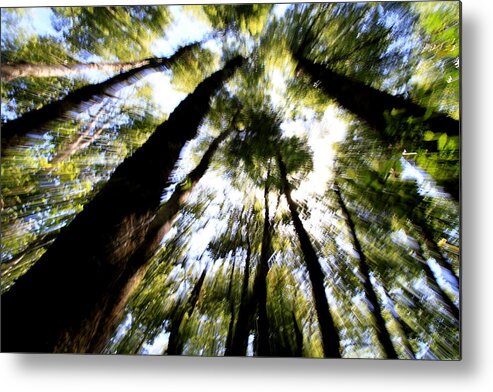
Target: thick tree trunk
[[330, 336], [175, 343], [371, 104], [11, 71], [90, 269], [240, 338], [260, 292], [112, 308], [382, 332], [37, 121]]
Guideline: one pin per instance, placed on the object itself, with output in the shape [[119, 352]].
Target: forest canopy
[[232, 180]]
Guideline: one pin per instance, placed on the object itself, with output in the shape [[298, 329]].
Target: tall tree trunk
[[373, 106], [232, 301], [382, 332], [37, 121], [175, 343], [111, 308], [11, 71], [369, 103], [88, 265], [330, 337], [239, 342], [263, 341]]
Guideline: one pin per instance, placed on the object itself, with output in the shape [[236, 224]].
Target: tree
[[371, 105], [112, 32], [232, 309], [329, 333], [89, 135], [111, 309], [244, 18], [123, 210], [382, 332], [38, 120], [239, 340], [175, 345], [392, 204], [260, 284], [400, 121], [11, 71], [297, 202]]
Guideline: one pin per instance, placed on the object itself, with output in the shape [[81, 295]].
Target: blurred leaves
[[392, 182]]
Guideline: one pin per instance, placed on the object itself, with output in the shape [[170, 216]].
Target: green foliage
[[337, 34], [394, 247], [113, 33], [190, 71], [436, 77], [20, 96], [35, 50], [244, 18], [409, 49], [26, 94]]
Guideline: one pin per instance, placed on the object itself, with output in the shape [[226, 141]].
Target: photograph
[[232, 180]]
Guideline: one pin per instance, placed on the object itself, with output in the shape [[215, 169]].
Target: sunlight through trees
[[299, 198]]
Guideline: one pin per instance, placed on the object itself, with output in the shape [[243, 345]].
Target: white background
[[473, 373]]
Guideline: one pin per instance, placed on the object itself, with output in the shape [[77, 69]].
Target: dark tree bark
[[299, 337], [368, 103], [375, 308], [89, 269], [372, 106], [239, 342], [11, 71], [260, 288], [232, 301], [112, 307], [38, 121], [175, 343], [330, 336]]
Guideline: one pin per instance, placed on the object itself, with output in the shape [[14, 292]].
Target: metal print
[[232, 180]]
